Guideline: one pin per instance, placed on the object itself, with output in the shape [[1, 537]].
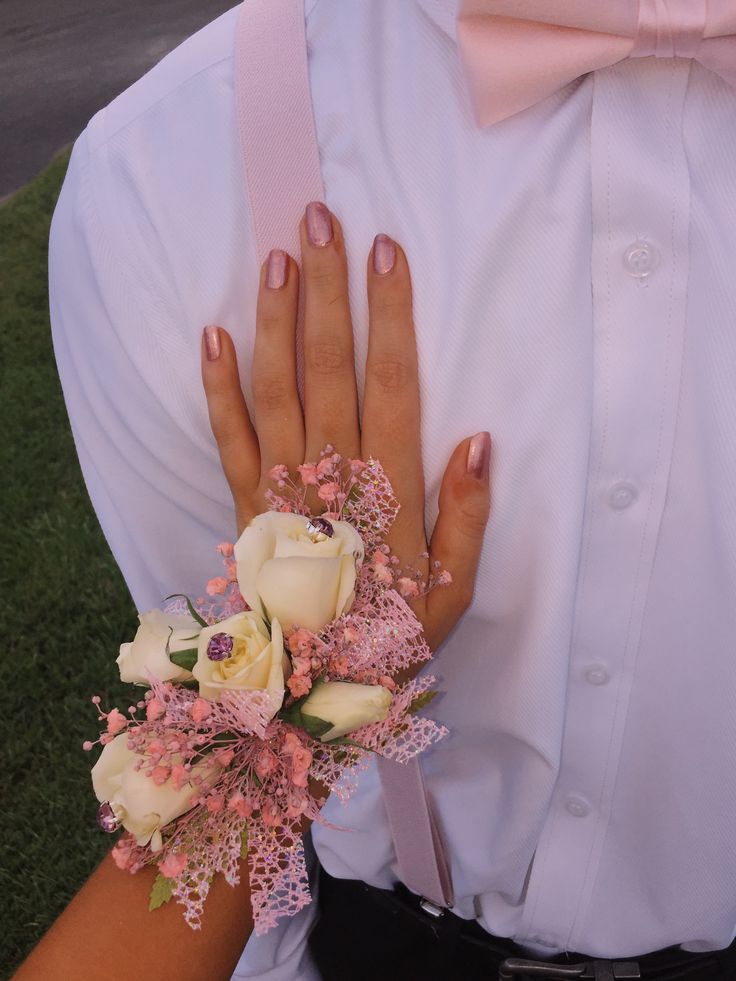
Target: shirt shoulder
[[199, 64], [193, 58]]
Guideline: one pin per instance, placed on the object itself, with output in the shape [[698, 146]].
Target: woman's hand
[[278, 430]]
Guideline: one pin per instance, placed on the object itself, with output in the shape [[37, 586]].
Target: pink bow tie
[[517, 52]]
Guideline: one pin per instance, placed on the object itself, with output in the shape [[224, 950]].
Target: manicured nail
[[212, 343], [319, 224], [384, 254], [276, 269], [479, 456]]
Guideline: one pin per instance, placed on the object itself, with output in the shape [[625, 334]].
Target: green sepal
[[244, 842], [421, 701], [312, 724], [184, 659], [161, 892], [192, 612]]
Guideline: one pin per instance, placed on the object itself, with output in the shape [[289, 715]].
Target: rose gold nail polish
[[479, 456], [319, 224], [384, 254], [212, 342], [276, 269]]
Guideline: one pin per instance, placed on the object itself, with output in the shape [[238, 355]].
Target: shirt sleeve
[[152, 475]]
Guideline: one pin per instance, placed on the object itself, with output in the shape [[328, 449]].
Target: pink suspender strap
[[282, 172], [420, 854], [273, 104]]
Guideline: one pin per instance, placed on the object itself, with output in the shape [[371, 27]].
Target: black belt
[[515, 965]]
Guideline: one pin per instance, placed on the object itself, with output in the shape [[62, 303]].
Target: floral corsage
[[266, 694]]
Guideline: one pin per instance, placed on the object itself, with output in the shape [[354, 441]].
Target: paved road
[[62, 60]]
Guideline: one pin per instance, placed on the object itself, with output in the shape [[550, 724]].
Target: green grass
[[64, 607]]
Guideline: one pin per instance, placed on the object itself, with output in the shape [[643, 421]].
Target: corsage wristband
[[282, 678]]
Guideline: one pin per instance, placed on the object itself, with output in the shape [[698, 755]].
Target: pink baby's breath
[[329, 492], [217, 586], [200, 710], [241, 805], [154, 709], [308, 474], [173, 866], [116, 722], [299, 685], [407, 587]]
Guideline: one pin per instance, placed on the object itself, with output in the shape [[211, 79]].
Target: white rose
[[147, 652], [284, 573], [347, 706], [142, 806], [256, 659]]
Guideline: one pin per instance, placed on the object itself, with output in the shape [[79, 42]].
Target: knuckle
[[324, 277], [327, 357], [269, 321], [472, 519], [339, 298], [227, 435], [391, 374], [390, 305], [271, 392]]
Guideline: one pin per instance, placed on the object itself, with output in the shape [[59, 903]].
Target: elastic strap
[[282, 175]]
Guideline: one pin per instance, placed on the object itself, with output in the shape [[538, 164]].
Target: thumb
[[457, 538]]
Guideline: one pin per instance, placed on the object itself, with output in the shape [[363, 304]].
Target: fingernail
[[212, 343], [276, 269], [384, 254], [479, 456], [319, 224]]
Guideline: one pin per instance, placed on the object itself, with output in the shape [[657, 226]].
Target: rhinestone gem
[[107, 819], [319, 526], [220, 647]]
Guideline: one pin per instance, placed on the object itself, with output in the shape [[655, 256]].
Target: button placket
[[638, 339]]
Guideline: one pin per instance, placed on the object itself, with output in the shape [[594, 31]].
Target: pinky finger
[[231, 426]]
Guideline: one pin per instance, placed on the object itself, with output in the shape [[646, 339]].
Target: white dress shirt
[[575, 294]]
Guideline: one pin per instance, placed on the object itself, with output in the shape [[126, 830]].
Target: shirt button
[[621, 495], [641, 258], [578, 807], [596, 674]]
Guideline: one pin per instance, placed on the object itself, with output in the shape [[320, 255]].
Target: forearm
[[107, 931]]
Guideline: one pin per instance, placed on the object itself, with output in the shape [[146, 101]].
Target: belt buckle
[[596, 970]]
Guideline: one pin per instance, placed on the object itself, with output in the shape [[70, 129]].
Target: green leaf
[[422, 700], [244, 842], [311, 724], [315, 726], [184, 659], [293, 714], [192, 612], [161, 891]]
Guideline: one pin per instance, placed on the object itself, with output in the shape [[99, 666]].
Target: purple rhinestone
[[106, 818], [320, 526], [220, 647]]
